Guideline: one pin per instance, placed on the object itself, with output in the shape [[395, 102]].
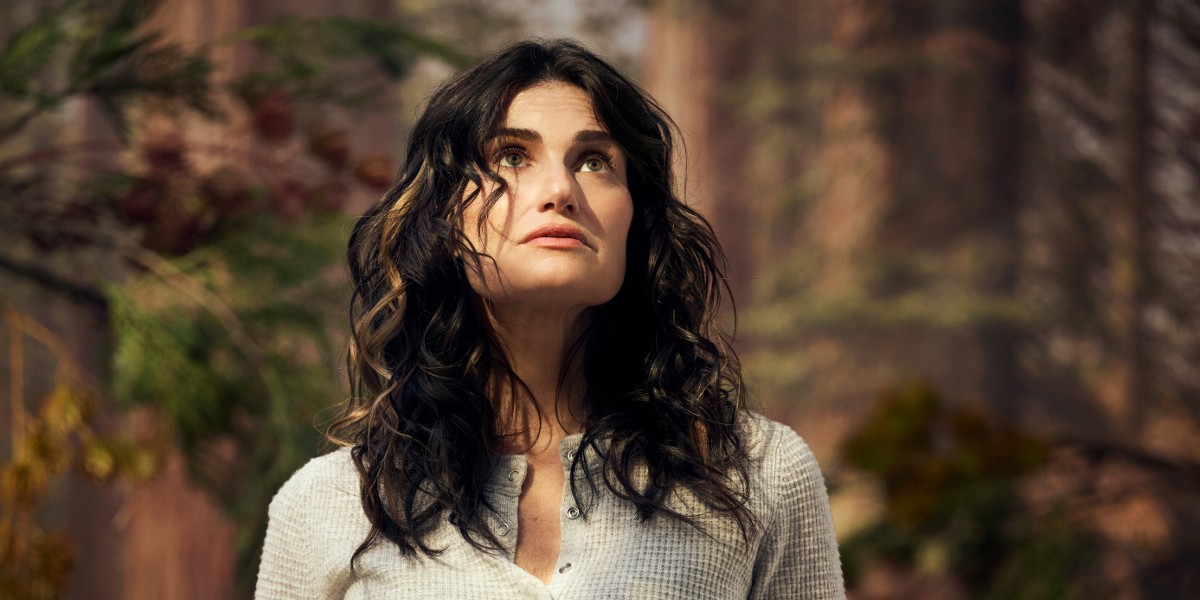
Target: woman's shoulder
[[783, 463], [325, 482], [315, 523], [798, 555], [777, 445]]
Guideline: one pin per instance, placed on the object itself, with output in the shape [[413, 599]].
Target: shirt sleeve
[[798, 557], [284, 572]]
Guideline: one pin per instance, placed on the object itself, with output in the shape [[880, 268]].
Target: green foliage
[[231, 345], [945, 290], [945, 306], [1041, 567], [950, 476], [110, 60], [216, 274], [28, 51], [334, 60], [108, 57]]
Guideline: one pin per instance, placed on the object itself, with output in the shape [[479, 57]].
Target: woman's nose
[[558, 190]]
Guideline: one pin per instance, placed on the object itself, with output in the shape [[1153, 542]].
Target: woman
[[542, 407]]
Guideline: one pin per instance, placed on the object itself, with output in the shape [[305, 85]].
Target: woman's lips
[[556, 236]]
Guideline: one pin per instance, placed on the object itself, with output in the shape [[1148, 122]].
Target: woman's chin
[[560, 292]]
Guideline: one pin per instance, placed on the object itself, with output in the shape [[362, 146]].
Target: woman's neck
[[539, 349]]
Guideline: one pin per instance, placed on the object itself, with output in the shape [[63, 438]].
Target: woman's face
[[556, 238]]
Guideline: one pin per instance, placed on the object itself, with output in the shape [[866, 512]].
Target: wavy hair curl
[[664, 399]]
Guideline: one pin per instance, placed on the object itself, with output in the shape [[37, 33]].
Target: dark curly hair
[[664, 391]]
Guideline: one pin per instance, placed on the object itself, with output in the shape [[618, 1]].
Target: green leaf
[[28, 52]]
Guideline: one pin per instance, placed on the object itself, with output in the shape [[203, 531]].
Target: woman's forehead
[[552, 106]]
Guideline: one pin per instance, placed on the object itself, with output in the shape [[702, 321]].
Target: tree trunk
[[1129, 252]]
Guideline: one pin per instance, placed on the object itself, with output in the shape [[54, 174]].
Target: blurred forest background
[[964, 240]]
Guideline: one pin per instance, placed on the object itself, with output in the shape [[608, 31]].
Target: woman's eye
[[512, 159], [594, 164]]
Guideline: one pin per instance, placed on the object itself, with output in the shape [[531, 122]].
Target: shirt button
[[572, 513], [512, 475], [571, 455], [503, 529], [564, 568]]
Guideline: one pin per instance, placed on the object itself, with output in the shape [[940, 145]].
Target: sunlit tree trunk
[[1129, 262], [694, 50]]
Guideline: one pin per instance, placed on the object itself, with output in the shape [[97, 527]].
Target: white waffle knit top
[[317, 521]]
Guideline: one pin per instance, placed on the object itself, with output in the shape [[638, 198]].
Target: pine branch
[[216, 306], [16, 125], [53, 281]]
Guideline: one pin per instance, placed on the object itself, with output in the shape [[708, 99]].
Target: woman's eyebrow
[[591, 135], [525, 135], [529, 135]]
